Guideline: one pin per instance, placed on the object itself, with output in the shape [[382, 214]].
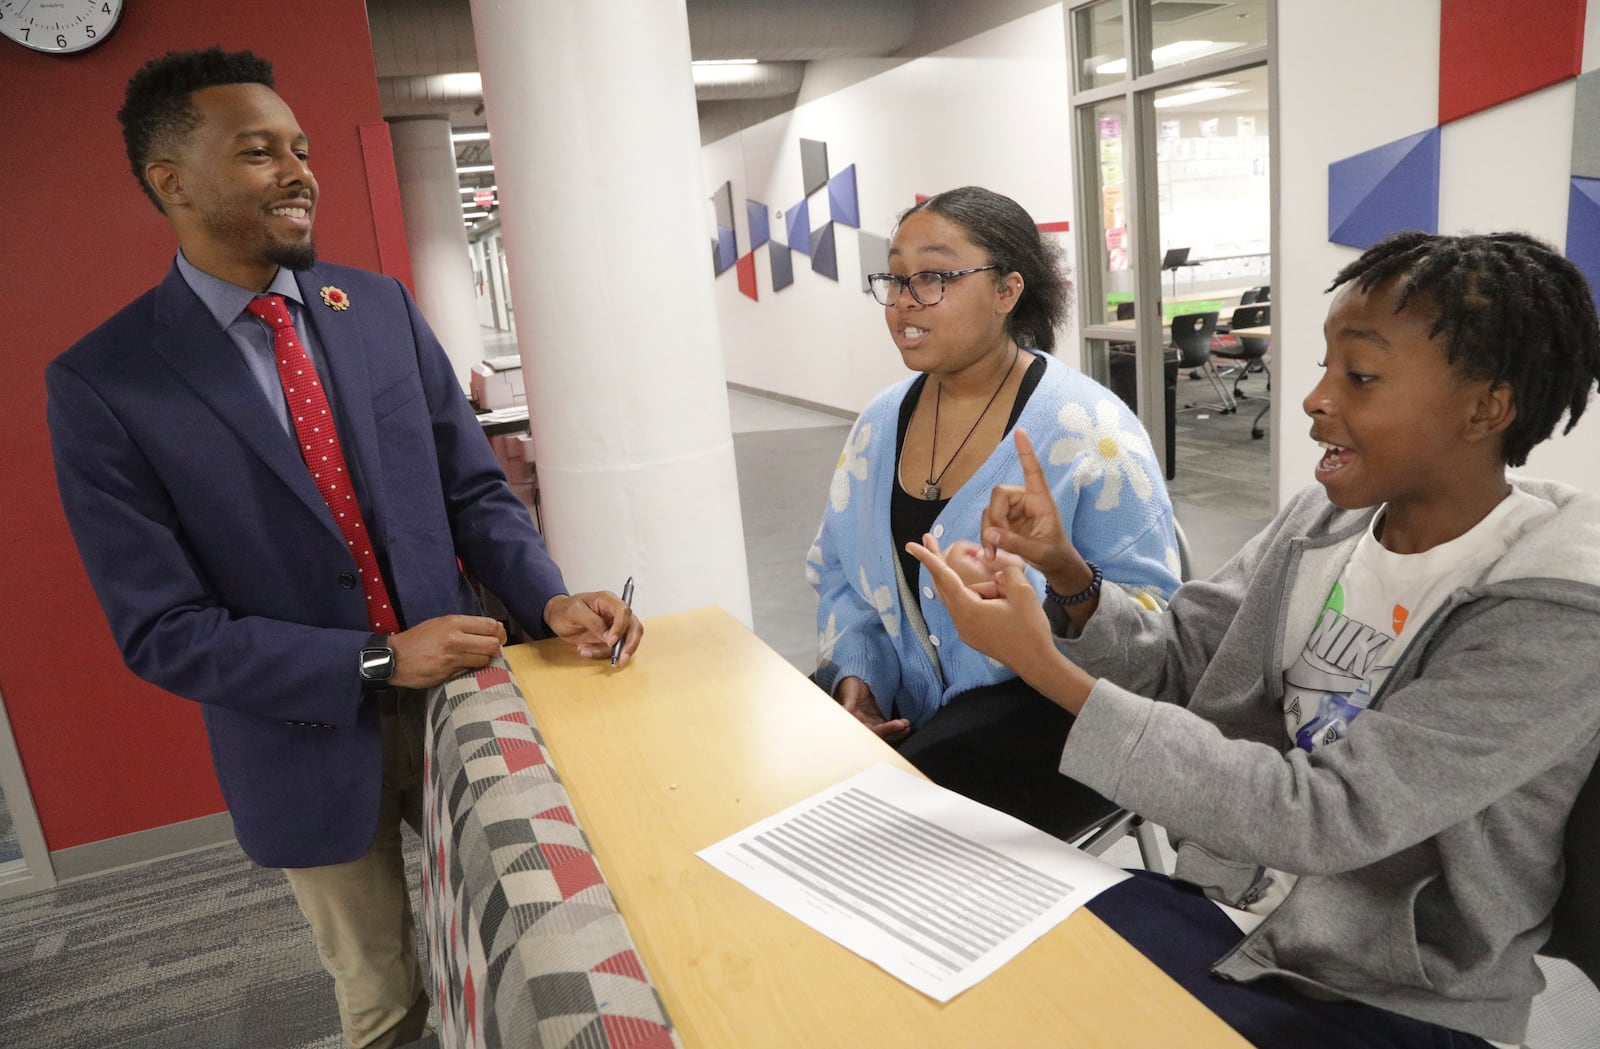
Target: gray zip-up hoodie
[[1428, 841]]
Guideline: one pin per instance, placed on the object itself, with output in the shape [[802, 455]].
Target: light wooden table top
[[1260, 331], [709, 731]]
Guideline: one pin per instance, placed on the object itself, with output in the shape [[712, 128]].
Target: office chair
[[1256, 429], [1250, 350], [1249, 297], [1113, 827], [1125, 311], [1192, 334]]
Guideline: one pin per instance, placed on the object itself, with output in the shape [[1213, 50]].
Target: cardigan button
[[347, 580], [934, 638], [938, 531], [927, 592]]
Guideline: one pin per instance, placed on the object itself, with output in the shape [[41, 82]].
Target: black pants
[[1001, 745], [1184, 934]]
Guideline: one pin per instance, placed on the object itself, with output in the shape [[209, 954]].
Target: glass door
[[1136, 64]]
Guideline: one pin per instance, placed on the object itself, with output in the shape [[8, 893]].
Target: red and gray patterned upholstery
[[527, 946]]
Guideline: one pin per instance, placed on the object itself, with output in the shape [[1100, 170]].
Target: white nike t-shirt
[[1380, 602]]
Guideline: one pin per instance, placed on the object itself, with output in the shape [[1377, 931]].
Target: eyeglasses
[[926, 287]]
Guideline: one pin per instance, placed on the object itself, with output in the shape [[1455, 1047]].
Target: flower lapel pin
[[335, 299]]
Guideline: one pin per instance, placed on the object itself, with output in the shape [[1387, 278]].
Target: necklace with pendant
[[930, 489]]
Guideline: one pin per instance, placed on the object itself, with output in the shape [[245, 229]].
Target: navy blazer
[[219, 566]]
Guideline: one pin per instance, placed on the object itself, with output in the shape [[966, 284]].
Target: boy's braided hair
[[1508, 309]]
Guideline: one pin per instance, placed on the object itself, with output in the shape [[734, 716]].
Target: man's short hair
[[158, 112]]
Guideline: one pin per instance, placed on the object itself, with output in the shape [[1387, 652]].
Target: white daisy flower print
[[814, 564], [827, 638], [1103, 451], [1148, 598], [883, 600], [851, 464]]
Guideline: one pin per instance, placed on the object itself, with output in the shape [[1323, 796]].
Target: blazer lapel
[[207, 360]]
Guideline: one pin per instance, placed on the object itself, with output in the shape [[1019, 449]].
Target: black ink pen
[[627, 600]]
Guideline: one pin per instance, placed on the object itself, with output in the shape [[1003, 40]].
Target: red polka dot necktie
[[319, 446]]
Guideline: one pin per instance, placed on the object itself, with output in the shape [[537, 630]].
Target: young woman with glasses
[[972, 300]]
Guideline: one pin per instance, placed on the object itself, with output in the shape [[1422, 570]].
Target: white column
[[605, 220], [441, 264]]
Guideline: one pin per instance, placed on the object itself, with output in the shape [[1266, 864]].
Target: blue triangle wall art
[[755, 214], [724, 252], [842, 205], [1583, 230], [797, 222], [1385, 190]]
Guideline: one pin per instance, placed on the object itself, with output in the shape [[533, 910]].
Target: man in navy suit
[[229, 573]]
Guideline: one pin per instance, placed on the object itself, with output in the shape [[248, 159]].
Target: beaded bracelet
[[1082, 595]]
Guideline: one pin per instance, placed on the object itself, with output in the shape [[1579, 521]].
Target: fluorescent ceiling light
[[725, 62], [472, 203], [475, 169], [458, 83], [469, 136], [1172, 54], [1204, 94], [478, 189], [476, 215]]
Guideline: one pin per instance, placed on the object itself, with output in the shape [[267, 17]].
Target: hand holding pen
[[597, 623]]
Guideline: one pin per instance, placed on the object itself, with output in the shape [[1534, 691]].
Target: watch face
[[58, 26], [377, 664]]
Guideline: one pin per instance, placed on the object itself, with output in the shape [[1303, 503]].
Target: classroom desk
[[709, 731], [1260, 331]]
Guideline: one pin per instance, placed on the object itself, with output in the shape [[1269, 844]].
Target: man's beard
[[301, 255]]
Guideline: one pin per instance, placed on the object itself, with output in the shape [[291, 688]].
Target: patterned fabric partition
[[528, 948]]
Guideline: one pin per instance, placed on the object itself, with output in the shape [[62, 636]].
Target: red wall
[[106, 754]]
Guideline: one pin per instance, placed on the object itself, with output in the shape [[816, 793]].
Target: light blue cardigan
[[900, 641]]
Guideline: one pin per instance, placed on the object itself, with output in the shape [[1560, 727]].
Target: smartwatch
[[377, 662]]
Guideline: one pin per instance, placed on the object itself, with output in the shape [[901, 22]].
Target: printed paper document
[[935, 888]]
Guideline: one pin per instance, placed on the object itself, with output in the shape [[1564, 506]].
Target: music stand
[[1173, 260]]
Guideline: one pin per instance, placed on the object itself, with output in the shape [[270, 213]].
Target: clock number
[[89, 31], [105, 9], [61, 41], [25, 31]]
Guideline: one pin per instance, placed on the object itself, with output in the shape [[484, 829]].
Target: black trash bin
[[1122, 384]]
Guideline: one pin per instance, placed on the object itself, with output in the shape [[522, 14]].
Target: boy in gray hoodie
[[1365, 732]]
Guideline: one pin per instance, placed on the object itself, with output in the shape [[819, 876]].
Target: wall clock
[[58, 26]]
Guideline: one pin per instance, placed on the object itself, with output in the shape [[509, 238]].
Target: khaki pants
[[360, 912]]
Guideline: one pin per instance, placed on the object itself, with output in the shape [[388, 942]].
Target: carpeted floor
[[200, 951], [783, 487], [10, 848]]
